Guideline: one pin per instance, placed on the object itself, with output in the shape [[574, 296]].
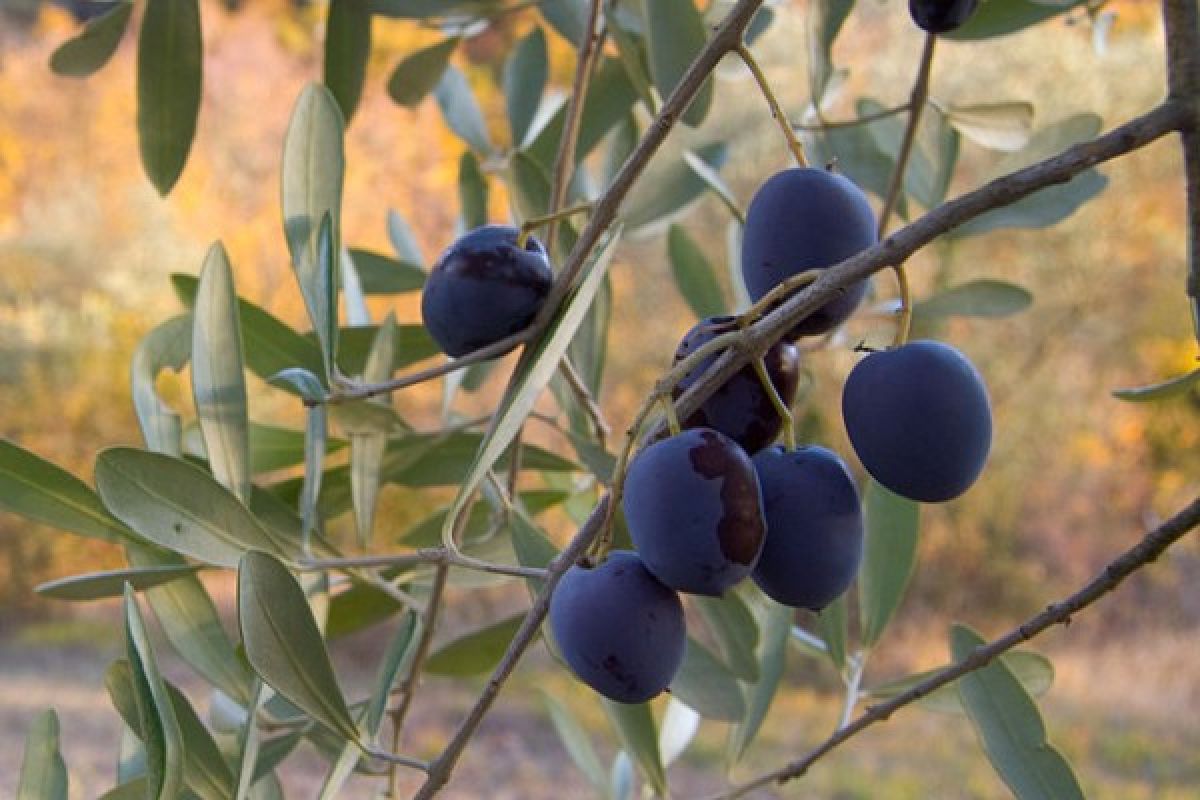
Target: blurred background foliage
[[87, 245]]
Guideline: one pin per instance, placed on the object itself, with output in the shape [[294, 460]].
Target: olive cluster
[[718, 502]]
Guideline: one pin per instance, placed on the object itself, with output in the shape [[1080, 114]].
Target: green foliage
[[213, 490]]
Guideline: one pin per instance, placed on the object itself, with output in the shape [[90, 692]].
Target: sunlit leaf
[[313, 167], [416, 75], [91, 48], [34, 488], [461, 110], [169, 70], [179, 506], [694, 275], [525, 74], [889, 557], [668, 187], [998, 126], [367, 449], [43, 771], [283, 642], [218, 384], [679, 727], [347, 46], [476, 652], [1010, 728], [675, 34], [1159, 391], [111, 583], [402, 239], [168, 346]]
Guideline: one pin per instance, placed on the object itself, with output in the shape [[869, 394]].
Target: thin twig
[[916, 104], [584, 396], [564, 159], [1150, 547], [1181, 24], [865, 119], [428, 625], [764, 86], [426, 555]]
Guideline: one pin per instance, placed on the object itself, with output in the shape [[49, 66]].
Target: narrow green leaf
[[315, 433], [858, 155], [313, 167], [1033, 670], [675, 34], [111, 583], [250, 743], [679, 727], [1010, 728], [577, 743], [771, 654], [538, 363], [43, 771], [568, 17], [155, 712], [831, 621], [627, 31], [274, 448], [670, 186], [270, 345], [91, 48], [398, 657], [997, 18], [404, 243], [205, 771], [706, 686], [715, 182], [609, 100], [828, 18], [340, 772], [525, 75], [218, 383], [188, 618], [890, 554], [302, 382], [1159, 391], [380, 274], [367, 449], [416, 75], [347, 46], [135, 789], [169, 75], [461, 110], [412, 344], [32, 487], [179, 506], [694, 275], [283, 642], [476, 652], [168, 346], [735, 630], [982, 298], [635, 728], [472, 192]]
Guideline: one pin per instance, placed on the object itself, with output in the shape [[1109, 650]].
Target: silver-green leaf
[[889, 556], [43, 771], [169, 76]]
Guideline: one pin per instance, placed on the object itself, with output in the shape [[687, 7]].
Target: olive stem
[[781, 408], [533, 223], [858, 664], [905, 314], [584, 396], [672, 418], [426, 555], [777, 114], [865, 119], [779, 292], [916, 104]]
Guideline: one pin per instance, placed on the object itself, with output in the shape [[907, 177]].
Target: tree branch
[[1181, 26], [1148, 549]]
